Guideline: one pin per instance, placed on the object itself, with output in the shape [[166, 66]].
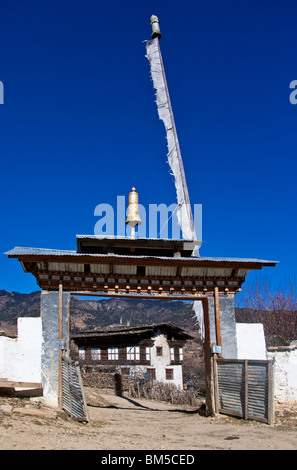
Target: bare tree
[[276, 309]]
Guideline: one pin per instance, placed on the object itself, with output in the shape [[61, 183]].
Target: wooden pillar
[[217, 318], [209, 396], [60, 392]]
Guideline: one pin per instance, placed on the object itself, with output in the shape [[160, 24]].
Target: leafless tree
[[276, 309]]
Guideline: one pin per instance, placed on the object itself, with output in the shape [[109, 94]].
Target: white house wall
[[250, 341], [160, 363], [251, 345], [20, 358], [285, 376]]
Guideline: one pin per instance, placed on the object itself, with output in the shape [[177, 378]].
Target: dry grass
[[160, 391]]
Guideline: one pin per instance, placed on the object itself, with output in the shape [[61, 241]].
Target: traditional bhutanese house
[[153, 352]]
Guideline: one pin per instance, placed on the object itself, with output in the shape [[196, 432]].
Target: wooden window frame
[[169, 374], [113, 353], [152, 373], [133, 353], [96, 354], [147, 353], [82, 354], [159, 351]]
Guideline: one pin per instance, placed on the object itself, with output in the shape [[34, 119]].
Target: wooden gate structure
[[139, 268]]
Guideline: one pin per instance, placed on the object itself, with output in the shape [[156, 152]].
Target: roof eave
[[24, 254]]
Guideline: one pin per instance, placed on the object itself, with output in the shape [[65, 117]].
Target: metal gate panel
[[257, 375], [231, 392], [73, 397], [244, 388]]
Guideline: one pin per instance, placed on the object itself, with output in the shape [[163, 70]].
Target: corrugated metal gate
[[244, 388], [73, 396]]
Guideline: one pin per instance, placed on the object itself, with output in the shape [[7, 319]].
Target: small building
[[151, 351]]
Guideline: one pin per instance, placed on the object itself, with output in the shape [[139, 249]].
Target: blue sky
[[79, 123]]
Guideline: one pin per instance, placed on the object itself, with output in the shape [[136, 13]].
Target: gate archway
[[206, 344], [142, 268]]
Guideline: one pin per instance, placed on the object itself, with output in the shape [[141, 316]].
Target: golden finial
[[155, 25], [133, 218]]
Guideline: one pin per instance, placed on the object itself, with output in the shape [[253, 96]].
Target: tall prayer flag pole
[[184, 211]]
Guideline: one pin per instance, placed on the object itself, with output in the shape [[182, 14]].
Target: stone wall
[[106, 380], [285, 372], [228, 325], [49, 308]]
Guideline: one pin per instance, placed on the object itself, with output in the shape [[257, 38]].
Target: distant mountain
[[87, 314], [14, 305]]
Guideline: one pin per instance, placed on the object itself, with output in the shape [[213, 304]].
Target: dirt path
[[121, 423]]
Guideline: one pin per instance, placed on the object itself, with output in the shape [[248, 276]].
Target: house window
[[176, 354], [82, 354], [96, 354], [159, 351], [147, 353], [133, 353], [169, 374], [181, 354], [113, 354], [152, 374], [172, 354]]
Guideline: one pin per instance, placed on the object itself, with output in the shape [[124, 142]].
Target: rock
[[5, 408]]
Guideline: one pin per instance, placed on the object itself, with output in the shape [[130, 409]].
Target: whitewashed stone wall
[[20, 358], [160, 363], [250, 341], [285, 372], [251, 345]]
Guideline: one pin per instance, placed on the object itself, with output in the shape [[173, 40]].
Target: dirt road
[[121, 423]]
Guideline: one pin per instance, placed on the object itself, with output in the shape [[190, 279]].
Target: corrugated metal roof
[[20, 250], [118, 237], [27, 251], [118, 330]]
